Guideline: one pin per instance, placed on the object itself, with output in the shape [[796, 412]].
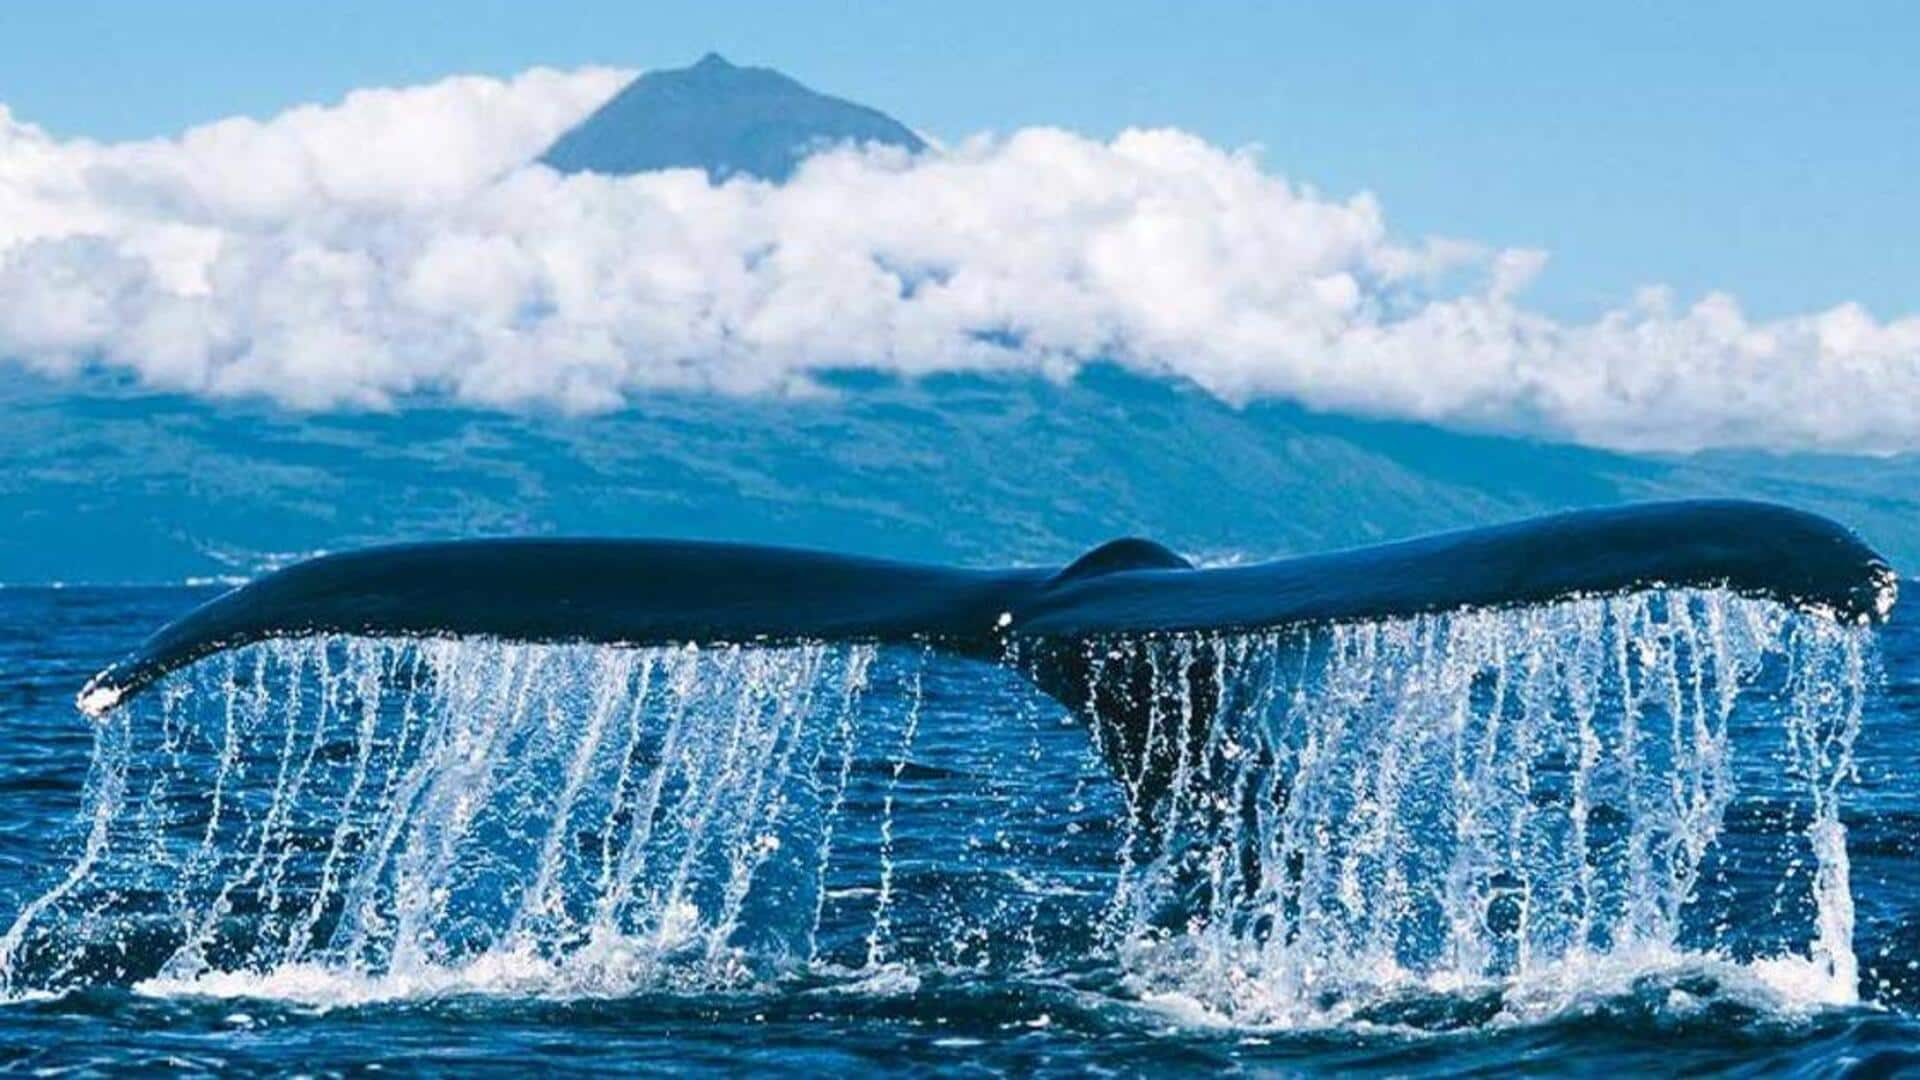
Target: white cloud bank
[[397, 245]]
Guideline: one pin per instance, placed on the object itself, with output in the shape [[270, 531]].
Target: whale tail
[[1073, 631]]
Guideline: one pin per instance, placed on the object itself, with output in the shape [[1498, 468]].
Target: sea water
[[1669, 824]]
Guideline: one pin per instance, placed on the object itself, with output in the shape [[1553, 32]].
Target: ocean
[[1656, 834]]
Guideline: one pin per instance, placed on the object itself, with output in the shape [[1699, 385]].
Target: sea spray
[[1354, 814]]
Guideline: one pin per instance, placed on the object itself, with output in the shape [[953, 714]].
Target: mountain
[[124, 485], [727, 120], [106, 482]]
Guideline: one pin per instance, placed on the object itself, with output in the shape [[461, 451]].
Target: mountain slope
[[125, 486]]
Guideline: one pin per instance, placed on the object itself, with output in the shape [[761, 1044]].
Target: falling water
[[1431, 805], [1459, 801]]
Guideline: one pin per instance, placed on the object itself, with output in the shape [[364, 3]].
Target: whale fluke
[[659, 592]]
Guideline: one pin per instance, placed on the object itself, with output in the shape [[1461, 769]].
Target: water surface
[[1659, 833]]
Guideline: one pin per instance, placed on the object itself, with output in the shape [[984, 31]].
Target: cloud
[[397, 247]]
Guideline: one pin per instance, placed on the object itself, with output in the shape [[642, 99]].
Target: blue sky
[[1763, 148]]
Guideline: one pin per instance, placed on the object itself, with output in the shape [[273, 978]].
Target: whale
[[1044, 621]]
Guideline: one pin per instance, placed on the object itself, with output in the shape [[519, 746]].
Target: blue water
[[1649, 835]]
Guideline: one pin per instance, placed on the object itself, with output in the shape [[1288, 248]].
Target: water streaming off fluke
[[1450, 803], [1351, 816]]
